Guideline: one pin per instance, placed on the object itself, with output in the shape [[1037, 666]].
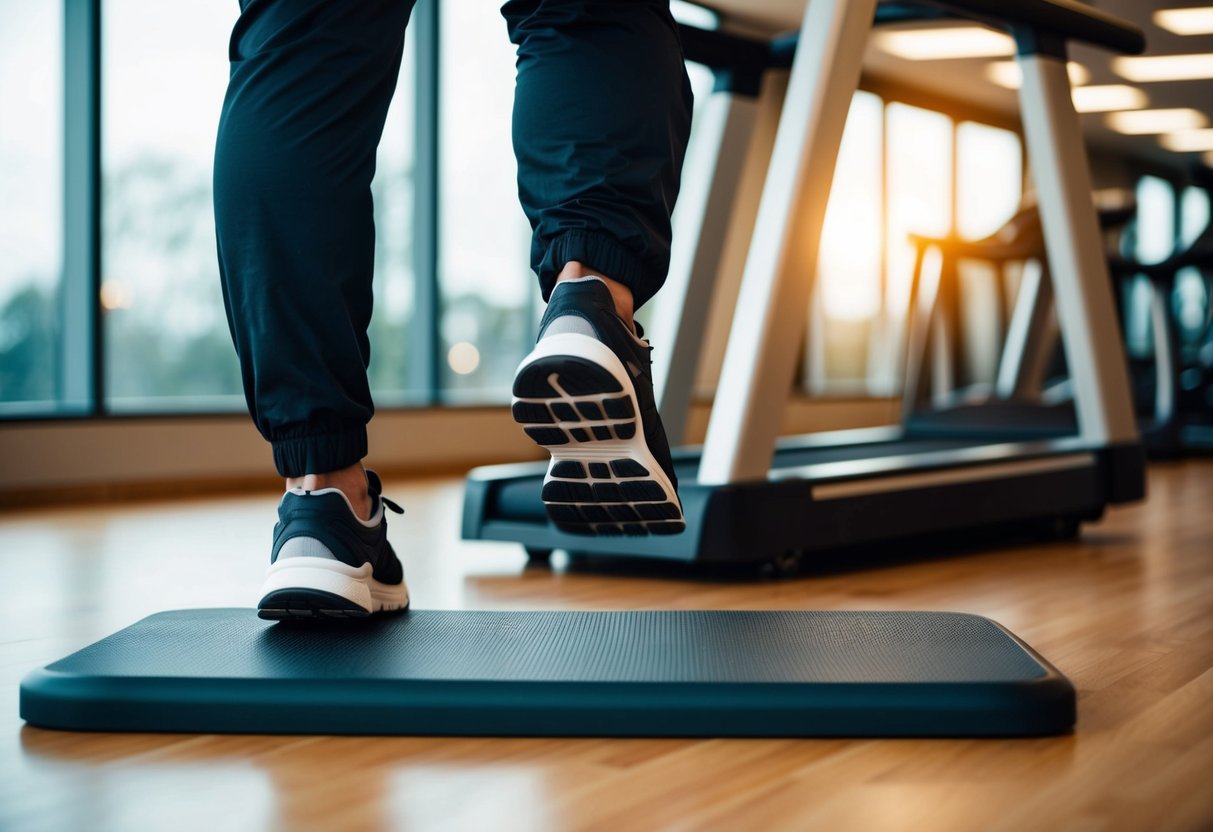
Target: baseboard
[[152, 457]]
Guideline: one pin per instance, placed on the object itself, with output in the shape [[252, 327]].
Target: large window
[[31, 208], [487, 317], [894, 178], [989, 190], [850, 264], [395, 374], [989, 178], [919, 153], [166, 340]]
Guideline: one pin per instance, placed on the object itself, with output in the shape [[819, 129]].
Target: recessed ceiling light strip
[[1148, 68], [945, 43], [1106, 98], [1008, 74], [1188, 141], [1193, 21], [1146, 122]]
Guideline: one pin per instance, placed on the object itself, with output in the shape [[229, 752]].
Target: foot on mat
[[585, 393], [329, 563]]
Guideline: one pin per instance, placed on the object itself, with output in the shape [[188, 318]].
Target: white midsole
[[581, 346], [636, 448], [355, 584]]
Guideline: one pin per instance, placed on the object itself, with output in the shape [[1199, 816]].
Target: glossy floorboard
[[1126, 612]]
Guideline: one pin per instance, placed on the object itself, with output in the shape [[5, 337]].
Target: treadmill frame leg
[[1057, 158], [770, 318], [705, 210]]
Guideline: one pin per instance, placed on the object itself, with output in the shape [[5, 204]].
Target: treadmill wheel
[[538, 557]]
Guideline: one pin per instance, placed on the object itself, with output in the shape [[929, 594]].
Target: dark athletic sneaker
[[585, 393], [328, 563]]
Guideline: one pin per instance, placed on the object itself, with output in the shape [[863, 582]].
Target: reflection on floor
[[1126, 612]]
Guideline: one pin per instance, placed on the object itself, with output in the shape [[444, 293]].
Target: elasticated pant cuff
[[319, 453], [601, 253]]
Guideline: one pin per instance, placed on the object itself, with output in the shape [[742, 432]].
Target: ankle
[[621, 294], [349, 481]]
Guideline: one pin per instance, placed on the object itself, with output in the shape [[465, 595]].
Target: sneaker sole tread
[[602, 480]]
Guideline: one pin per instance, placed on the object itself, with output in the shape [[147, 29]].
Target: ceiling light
[[1008, 74], [1145, 122], [1104, 98], [1197, 21], [1165, 67], [939, 44], [1188, 141]]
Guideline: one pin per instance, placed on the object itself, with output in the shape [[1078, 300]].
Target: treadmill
[[1028, 398], [1176, 402], [1171, 386], [750, 496]]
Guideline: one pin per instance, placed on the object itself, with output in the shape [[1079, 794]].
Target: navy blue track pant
[[602, 114]]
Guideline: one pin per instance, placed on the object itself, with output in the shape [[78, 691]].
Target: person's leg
[[310, 86], [311, 81], [602, 115], [601, 122]]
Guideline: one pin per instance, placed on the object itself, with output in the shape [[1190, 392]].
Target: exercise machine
[[1030, 397], [1173, 384], [751, 496]]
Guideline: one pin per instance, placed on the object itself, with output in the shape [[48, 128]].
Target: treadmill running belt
[[692, 673], [520, 499]]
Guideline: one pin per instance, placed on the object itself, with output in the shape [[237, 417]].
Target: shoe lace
[[375, 487]]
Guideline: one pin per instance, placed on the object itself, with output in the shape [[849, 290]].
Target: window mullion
[[424, 331], [81, 359]]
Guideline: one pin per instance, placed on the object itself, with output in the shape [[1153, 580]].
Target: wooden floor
[[1126, 612]]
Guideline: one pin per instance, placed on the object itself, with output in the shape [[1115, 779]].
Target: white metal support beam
[[702, 221], [769, 321], [1057, 157], [1031, 337]]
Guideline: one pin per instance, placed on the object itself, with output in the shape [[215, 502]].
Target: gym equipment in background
[[749, 496], [694, 674], [1173, 384], [1031, 397]]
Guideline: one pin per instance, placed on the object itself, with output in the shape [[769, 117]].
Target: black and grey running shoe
[[328, 563], [585, 393]]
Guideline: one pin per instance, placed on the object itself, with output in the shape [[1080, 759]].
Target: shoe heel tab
[[593, 287], [588, 281]]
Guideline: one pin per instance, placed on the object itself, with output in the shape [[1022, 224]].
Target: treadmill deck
[[829, 491]]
